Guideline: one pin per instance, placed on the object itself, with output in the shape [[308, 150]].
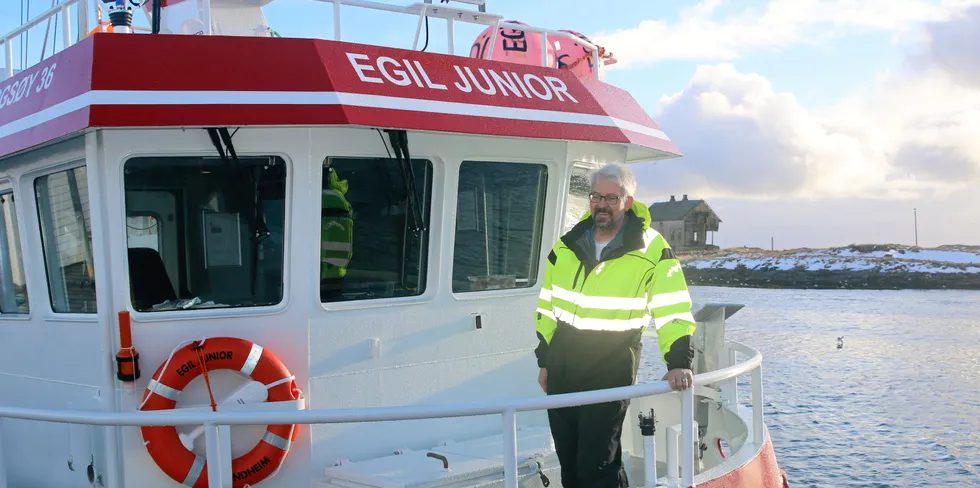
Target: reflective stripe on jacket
[[636, 285]]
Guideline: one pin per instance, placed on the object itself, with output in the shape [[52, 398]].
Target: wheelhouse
[[187, 194]]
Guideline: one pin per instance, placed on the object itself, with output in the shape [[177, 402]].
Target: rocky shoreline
[[862, 267], [826, 279]]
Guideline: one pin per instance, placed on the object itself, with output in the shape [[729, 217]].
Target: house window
[[498, 225], [66, 238], [578, 197], [205, 233], [374, 222], [13, 286]]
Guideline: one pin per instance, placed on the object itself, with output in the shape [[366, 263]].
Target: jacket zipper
[[578, 272], [575, 284], [586, 278]]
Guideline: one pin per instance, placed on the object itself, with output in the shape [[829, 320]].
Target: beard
[[605, 225]]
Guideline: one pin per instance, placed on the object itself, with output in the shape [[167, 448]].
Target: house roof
[[676, 210]]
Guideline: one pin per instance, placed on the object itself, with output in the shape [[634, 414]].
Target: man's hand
[[543, 379], [679, 379]]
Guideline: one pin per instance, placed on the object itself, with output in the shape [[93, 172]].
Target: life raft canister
[[249, 359], [103, 27]]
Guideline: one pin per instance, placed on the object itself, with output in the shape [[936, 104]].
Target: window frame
[[567, 192], [120, 225], [34, 177], [7, 187], [552, 168], [437, 173]]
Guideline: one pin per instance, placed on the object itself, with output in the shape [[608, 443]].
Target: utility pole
[[915, 217], [772, 243]]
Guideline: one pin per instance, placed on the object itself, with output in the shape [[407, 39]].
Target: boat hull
[[761, 472]]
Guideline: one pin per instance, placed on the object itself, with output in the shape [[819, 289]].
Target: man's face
[[608, 204]]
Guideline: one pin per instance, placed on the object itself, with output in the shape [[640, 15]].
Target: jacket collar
[[631, 234], [638, 209]]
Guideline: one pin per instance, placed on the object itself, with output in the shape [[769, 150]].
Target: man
[[606, 281], [336, 235]]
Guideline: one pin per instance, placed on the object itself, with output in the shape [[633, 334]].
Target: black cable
[[157, 12], [383, 141], [426, 46]]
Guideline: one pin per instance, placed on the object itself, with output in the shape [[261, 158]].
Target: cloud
[[936, 163], [798, 222], [914, 137], [723, 120], [699, 35], [954, 46]]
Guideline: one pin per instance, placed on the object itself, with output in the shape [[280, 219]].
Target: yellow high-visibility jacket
[[336, 229], [591, 313]]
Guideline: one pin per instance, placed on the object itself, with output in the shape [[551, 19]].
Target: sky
[[803, 123]]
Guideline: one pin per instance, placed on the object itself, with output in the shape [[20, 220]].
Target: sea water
[[898, 405]]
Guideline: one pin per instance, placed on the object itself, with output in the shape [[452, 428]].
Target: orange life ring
[[252, 360]]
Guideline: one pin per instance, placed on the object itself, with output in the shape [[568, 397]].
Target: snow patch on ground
[[854, 258]]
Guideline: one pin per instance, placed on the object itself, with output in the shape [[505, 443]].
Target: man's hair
[[618, 173]]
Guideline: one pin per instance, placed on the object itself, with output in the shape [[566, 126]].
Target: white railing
[[423, 11], [506, 408], [66, 30], [451, 15]]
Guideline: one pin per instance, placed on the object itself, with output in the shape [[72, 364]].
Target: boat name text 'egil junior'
[[405, 72]]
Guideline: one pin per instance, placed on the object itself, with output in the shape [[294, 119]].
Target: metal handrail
[[379, 414], [507, 408], [60, 8], [477, 19]]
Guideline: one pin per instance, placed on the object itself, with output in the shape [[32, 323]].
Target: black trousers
[[587, 442]]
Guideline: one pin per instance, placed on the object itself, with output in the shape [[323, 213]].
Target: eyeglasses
[[612, 199]]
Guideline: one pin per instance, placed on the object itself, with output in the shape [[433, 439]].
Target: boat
[[166, 320]]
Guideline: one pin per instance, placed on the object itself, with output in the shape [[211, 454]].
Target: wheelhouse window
[[13, 286], [374, 228], [66, 236], [203, 232], [579, 189], [499, 219]]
